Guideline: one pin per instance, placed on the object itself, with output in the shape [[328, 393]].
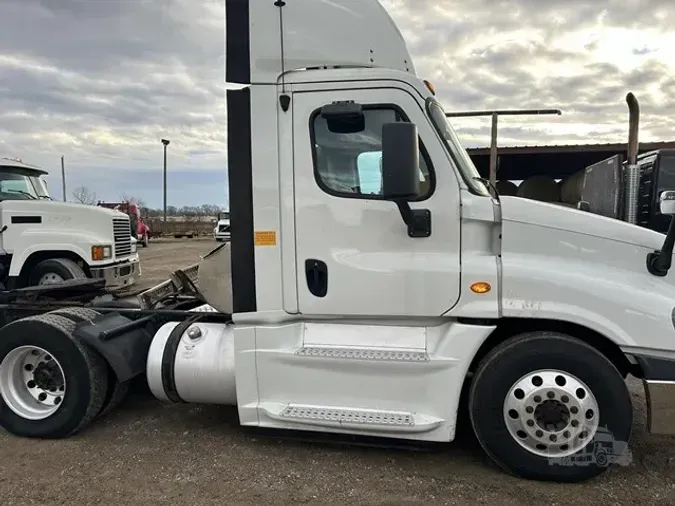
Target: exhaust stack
[[632, 172]]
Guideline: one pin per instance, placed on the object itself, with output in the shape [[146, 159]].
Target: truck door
[[353, 252]]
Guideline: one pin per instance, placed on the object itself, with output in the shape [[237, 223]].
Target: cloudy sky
[[102, 81]]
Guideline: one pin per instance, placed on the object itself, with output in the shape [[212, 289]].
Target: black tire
[[63, 267], [84, 369], [146, 241], [116, 396], [527, 353], [116, 391]]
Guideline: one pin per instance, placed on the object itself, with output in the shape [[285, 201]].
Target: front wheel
[[55, 271], [541, 403], [146, 241]]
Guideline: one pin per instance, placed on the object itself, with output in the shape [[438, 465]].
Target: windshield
[[455, 148], [17, 186], [40, 187]]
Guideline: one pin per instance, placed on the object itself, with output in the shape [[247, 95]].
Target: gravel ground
[[164, 256], [150, 453]]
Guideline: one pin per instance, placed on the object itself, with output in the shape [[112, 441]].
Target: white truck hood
[[58, 207], [553, 216]]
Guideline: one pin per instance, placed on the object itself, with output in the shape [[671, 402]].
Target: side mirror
[[667, 202], [344, 117], [400, 161], [660, 261]]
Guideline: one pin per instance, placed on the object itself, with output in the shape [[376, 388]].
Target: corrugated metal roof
[[566, 148]]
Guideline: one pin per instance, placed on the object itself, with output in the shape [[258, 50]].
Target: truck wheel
[[116, 391], [51, 385], [146, 241], [539, 402], [54, 271]]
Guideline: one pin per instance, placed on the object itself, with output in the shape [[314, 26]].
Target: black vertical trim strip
[[239, 149], [240, 179], [238, 42]]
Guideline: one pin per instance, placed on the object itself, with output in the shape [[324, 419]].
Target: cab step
[[351, 418], [370, 354]]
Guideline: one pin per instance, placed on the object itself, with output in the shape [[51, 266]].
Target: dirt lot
[[150, 453], [166, 255]]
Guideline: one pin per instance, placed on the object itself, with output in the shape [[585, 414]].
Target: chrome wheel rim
[[551, 413], [50, 278], [32, 382]]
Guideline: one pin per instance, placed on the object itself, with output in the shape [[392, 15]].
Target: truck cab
[[139, 228], [44, 241], [373, 286], [221, 232]]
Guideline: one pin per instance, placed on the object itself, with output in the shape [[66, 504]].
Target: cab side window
[[350, 165]]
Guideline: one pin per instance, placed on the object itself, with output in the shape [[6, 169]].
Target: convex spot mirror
[[667, 202], [400, 161], [344, 117]]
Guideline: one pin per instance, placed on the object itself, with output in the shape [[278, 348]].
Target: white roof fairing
[[320, 33], [13, 163]]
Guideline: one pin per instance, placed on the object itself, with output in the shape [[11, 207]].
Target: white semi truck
[[43, 241], [221, 231], [382, 312]]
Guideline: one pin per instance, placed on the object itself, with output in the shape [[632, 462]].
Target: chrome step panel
[[369, 354], [351, 418]]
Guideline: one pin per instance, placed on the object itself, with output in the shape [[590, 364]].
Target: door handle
[[316, 273]]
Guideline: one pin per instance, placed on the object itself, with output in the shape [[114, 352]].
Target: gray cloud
[[103, 81]]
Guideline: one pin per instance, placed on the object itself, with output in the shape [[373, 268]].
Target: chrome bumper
[[222, 236], [118, 275], [660, 396]]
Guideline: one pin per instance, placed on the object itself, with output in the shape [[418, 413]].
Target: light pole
[[63, 178], [166, 143]]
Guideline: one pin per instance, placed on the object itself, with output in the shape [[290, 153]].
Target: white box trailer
[[339, 310]]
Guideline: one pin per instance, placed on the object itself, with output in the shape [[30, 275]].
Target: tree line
[[83, 195]]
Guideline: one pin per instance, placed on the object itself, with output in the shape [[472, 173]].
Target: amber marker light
[[430, 87], [480, 287]]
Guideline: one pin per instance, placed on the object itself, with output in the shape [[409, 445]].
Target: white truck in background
[[43, 241], [382, 312], [221, 231]]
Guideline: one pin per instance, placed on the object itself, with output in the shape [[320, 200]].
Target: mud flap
[[124, 345]]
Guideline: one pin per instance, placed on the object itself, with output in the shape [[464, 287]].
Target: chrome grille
[[122, 234], [223, 228]]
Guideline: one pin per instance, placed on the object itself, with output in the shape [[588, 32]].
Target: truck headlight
[[101, 253], [134, 246]]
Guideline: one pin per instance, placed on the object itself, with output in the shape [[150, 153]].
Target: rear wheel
[[55, 271], [542, 403], [51, 385]]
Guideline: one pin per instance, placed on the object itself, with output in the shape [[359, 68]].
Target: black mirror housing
[[344, 117], [400, 161]]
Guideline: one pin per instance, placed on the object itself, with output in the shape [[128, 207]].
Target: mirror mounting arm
[[660, 261], [418, 221]]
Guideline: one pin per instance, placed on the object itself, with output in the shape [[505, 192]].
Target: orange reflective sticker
[[266, 238]]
